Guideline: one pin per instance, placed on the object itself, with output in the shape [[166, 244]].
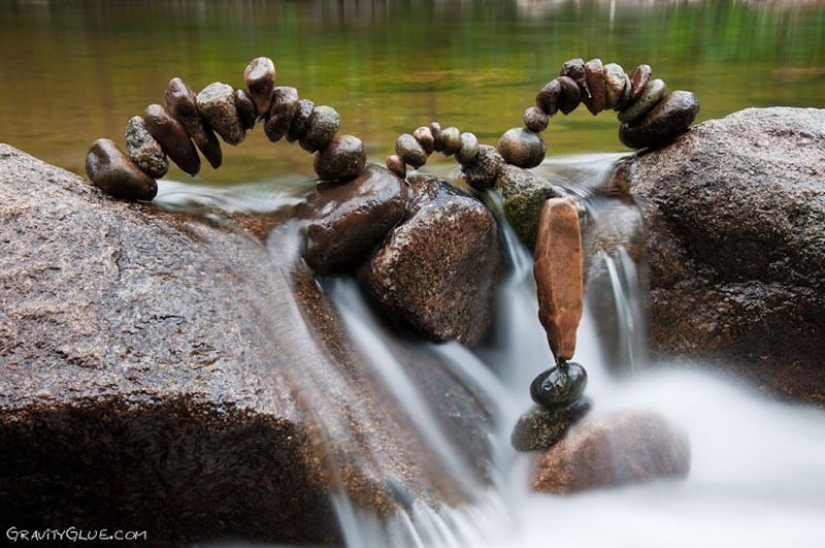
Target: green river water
[[74, 71]]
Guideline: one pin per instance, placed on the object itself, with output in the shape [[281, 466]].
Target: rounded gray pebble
[[144, 150], [410, 150], [535, 119], [651, 95], [522, 148], [450, 141], [111, 170], [469, 148], [481, 173], [324, 123], [343, 158], [425, 138], [216, 105], [435, 129]]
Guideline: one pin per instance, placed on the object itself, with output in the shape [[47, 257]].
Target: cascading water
[[757, 478]]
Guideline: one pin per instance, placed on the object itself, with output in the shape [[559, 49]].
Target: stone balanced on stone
[[188, 122]]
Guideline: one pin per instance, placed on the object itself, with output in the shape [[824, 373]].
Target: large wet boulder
[[190, 380], [735, 211], [437, 271]]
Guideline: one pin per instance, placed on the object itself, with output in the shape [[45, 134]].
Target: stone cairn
[[649, 116]]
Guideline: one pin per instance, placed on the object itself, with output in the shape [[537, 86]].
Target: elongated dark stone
[[281, 112], [650, 97], [259, 76], [246, 109], [111, 170], [594, 73], [569, 96], [182, 104], [300, 122], [173, 138], [548, 98]]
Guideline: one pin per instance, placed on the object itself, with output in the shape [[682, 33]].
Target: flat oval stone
[[259, 76], [482, 172], [435, 129], [246, 109], [469, 148], [522, 147], [173, 138], [450, 141], [144, 150], [652, 94], [396, 165], [343, 158], [569, 96], [559, 386], [281, 112], [638, 81], [324, 123], [300, 122], [548, 98], [216, 105], [410, 150], [541, 428], [670, 118], [615, 81], [425, 138], [535, 119], [594, 73], [113, 172], [182, 104]]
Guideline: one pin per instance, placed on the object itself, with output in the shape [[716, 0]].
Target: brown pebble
[[594, 73], [397, 165], [324, 123], [144, 150], [259, 76], [615, 80], [522, 147], [173, 138], [425, 138], [343, 158], [569, 96], [450, 141], [216, 105], [281, 111], [113, 172], [482, 172], [535, 119], [410, 150], [671, 117], [435, 129], [182, 104], [300, 122], [652, 94], [246, 109], [548, 98], [559, 273], [469, 148], [574, 68], [638, 81]]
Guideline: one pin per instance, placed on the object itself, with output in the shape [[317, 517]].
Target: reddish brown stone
[[594, 72]]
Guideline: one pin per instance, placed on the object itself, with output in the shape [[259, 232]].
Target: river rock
[[259, 76], [436, 273], [111, 170], [670, 118], [173, 138], [425, 138], [524, 194], [650, 97], [559, 386], [410, 150], [396, 165], [594, 72], [734, 211], [535, 119], [216, 105], [163, 373], [617, 86], [625, 448], [344, 222], [182, 104], [547, 99], [299, 127], [324, 123], [574, 69], [450, 141], [639, 79], [482, 173], [144, 150], [541, 427], [246, 109], [281, 112], [522, 147], [343, 158], [469, 148]]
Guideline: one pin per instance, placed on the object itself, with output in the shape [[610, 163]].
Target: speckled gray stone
[[144, 150], [216, 105], [469, 148], [324, 123], [521, 147], [343, 158], [535, 119], [450, 140], [616, 82], [300, 122], [482, 172]]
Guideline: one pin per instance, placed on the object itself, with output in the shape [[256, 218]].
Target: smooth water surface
[[73, 71]]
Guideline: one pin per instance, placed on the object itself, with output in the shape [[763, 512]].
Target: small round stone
[[425, 138], [522, 147], [614, 84], [594, 73], [144, 150], [182, 104], [343, 158], [482, 172], [540, 428], [559, 386], [548, 98], [469, 148], [324, 123], [410, 150], [216, 105], [671, 117], [281, 112], [259, 76], [397, 165], [651, 95], [435, 129], [638, 81], [246, 109], [569, 95], [535, 119], [450, 141], [300, 122], [113, 172], [173, 138]]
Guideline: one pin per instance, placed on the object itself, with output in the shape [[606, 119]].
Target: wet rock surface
[[437, 271], [153, 369], [541, 428], [524, 194], [735, 211], [626, 448]]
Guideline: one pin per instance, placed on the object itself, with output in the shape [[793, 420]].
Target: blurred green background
[[73, 71]]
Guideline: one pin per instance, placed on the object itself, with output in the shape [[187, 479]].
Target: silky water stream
[[757, 476]]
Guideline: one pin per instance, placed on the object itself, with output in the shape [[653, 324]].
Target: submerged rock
[[541, 428], [625, 448], [437, 271]]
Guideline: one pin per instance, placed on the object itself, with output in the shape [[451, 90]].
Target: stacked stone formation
[[189, 123]]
